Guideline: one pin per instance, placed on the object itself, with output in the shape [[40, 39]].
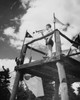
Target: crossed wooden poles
[[60, 67]]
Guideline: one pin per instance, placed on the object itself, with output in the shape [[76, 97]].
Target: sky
[[19, 16]]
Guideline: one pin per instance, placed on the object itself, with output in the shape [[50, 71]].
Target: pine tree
[[4, 83]]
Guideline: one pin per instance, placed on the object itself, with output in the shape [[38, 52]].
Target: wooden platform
[[57, 67], [47, 68]]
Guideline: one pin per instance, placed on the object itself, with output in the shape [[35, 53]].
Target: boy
[[49, 41]]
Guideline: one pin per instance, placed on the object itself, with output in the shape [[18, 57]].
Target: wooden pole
[[63, 88], [36, 50], [40, 38], [58, 44], [17, 78], [71, 41], [54, 26], [54, 21], [15, 86], [56, 96]]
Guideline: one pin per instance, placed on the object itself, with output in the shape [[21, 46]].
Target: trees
[[24, 93], [48, 89], [4, 83]]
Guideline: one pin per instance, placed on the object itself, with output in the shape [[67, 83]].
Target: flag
[[58, 21], [66, 27], [28, 35]]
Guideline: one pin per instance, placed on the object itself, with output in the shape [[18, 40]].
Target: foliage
[[4, 83], [24, 94], [72, 96]]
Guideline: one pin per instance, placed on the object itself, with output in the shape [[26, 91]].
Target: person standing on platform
[[48, 40]]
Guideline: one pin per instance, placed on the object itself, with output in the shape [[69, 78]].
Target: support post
[[20, 61], [63, 88], [56, 96], [15, 86], [57, 43]]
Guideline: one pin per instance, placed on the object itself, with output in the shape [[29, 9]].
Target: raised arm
[[43, 36]]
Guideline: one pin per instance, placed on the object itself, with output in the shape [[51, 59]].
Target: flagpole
[[54, 21], [54, 27], [56, 97], [30, 59], [21, 52], [23, 41], [20, 61]]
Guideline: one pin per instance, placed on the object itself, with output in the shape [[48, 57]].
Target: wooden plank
[[36, 50], [71, 65], [53, 32], [71, 41], [74, 65], [73, 54], [37, 63], [43, 72], [40, 38]]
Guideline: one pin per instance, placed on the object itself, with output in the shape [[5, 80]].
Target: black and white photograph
[[39, 49]]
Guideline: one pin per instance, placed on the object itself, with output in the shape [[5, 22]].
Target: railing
[[40, 38]]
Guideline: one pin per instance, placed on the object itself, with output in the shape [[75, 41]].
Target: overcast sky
[[17, 16]]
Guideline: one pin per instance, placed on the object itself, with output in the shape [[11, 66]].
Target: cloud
[[10, 63], [10, 32], [15, 43], [7, 63], [72, 9], [16, 39], [2, 39], [26, 3], [40, 13]]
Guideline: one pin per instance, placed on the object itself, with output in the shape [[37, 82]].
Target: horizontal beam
[[69, 61], [71, 41], [36, 72], [37, 63], [53, 60], [40, 38], [71, 65], [74, 54], [36, 50]]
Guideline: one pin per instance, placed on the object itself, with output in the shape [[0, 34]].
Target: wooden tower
[[55, 68]]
